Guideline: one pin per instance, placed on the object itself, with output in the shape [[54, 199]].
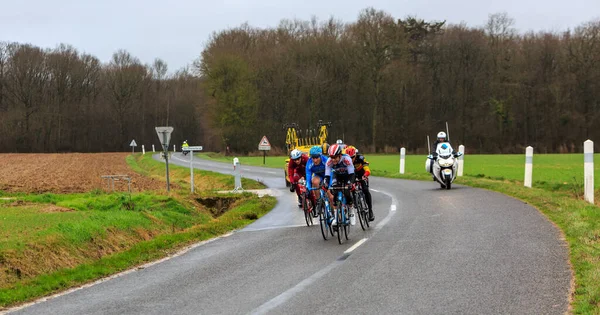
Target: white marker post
[[237, 171], [153, 148], [528, 166], [143, 149], [174, 150], [402, 159], [461, 161], [588, 167]]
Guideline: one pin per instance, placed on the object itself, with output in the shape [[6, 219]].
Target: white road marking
[[355, 246], [285, 296], [272, 228]]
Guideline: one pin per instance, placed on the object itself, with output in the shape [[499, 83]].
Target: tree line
[[382, 82], [61, 100], [385, 83]]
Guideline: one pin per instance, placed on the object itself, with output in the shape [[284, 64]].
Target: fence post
[[588, 167], [461, 161], [528, 165], [153, 148], [143, 149], [402, 159]]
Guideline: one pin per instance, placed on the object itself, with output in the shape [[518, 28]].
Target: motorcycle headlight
[[446, 162]]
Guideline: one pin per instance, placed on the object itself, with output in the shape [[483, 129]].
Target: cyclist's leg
[[296, 178], [334, 183], [315, 182], [347, 192]]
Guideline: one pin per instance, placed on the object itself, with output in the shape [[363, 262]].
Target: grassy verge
[[553, 195], [52, 242], [180, 176]]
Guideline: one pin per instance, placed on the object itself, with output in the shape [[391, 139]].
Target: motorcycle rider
[[297, 171], [441, 138], [184, 145]]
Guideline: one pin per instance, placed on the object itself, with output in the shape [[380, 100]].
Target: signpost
[[133, 145], [164, 135], [264, 146], [192, 149]]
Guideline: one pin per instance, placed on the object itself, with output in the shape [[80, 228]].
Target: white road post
[[461, 161], [192, 170], [402, 159], [143, 149], [153, 148], [174, 150], [588, 167], [528, 166], [237, 171]]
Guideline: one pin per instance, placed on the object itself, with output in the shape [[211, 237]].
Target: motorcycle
[[444, 165]]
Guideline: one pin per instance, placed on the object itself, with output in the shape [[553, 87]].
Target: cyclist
[[343, 173], [362, 171], [297, 171], [315, 172]]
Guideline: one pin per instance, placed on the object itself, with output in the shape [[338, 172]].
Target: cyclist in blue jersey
[[315, 171]]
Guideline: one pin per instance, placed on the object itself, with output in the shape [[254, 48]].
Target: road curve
[[432, 251]]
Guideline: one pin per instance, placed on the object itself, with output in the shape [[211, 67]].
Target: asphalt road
[[431, 251]]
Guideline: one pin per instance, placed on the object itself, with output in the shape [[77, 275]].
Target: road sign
[[164, 135], [133, 144], [264, 144], [196, 148]]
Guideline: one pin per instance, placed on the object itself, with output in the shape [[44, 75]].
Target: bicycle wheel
[[359, 212], [307, 214], [330, 226], [323, 221], [340, 221], [347, 221], [365, 208]]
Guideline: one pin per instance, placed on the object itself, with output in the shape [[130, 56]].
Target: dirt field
[[68, 173]]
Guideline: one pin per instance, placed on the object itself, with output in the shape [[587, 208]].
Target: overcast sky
[[176, 30]]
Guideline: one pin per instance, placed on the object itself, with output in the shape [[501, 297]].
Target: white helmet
[[339, 141], [441, 135], [296, 154]]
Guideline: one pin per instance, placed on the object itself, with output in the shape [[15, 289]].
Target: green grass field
[[50, 242], [549, 170]]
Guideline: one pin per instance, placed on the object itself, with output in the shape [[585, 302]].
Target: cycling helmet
[[335, 149], [351, 151], [315, 151], [325, 148], [296, 154], [441, 135], [339, 141]]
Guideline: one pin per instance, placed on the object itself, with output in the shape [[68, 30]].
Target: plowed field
[[68, 173]]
